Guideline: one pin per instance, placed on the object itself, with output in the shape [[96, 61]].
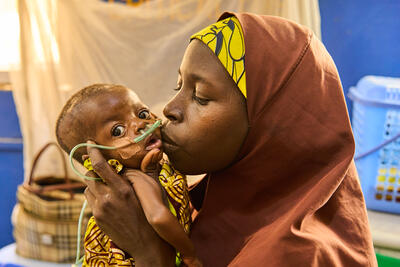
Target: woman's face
[[207, 118]]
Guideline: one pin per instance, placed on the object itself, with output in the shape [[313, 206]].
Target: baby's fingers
[[149, 162]]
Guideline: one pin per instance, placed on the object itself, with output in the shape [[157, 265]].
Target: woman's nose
[[173, 111]]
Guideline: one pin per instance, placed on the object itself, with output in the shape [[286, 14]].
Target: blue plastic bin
[[376, 120], [11, 164]]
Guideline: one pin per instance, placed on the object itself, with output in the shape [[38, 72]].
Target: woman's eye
[[118, 131], [201, 101], [144, 114]]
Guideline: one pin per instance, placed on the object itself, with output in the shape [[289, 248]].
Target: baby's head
[[110, 115]]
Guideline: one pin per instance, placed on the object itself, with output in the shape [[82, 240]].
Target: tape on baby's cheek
[[128, 152]]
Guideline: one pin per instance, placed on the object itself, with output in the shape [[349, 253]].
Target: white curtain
[[68, 44]]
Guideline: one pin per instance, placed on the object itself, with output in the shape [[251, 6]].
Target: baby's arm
[[159, 216]]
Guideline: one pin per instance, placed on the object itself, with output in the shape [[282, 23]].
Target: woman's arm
[[119, 214]]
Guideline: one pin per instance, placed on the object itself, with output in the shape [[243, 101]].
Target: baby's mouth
[[152, 142]]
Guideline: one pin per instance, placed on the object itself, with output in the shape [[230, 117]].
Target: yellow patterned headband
[[225, 39]]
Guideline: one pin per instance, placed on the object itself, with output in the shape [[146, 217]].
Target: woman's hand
[[119, 214]]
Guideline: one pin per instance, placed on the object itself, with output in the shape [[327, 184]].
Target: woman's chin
[[169, 149], [185, 167]]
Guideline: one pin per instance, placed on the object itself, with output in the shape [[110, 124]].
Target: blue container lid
[[377, 90]]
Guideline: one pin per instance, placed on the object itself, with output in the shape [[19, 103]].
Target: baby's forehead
[[111, 104], [117, 97], [132, 96]]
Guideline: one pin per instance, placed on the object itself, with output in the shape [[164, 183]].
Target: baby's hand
[[138, 178], [150, 163]]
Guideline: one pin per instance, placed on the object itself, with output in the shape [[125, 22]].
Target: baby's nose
[[139, 126]]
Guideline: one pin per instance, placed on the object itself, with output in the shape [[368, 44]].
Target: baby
[[113, 115]]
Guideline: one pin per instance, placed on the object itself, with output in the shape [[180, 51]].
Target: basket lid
[[377, 90]]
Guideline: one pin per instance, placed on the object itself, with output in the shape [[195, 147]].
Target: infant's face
[[118, 118]]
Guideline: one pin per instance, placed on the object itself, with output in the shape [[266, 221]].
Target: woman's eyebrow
[[196, 77]]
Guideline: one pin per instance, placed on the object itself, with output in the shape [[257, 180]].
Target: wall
[[363, 37]]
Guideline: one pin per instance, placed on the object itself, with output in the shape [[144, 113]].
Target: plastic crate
[[11, 164], [376, 127]]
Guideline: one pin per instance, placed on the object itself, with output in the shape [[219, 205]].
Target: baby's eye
[[118, 130], [144, 114]]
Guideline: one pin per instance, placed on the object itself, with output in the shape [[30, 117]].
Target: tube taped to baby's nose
[[147, 127], [147, 131]]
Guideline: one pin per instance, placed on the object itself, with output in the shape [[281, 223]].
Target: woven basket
[[45, 219]]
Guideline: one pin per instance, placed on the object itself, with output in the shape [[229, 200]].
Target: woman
[[265, 118]]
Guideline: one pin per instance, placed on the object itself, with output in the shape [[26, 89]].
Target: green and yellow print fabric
[[176, 187], [225, 39]]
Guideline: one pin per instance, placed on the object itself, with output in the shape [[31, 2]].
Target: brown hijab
[[293, 197]]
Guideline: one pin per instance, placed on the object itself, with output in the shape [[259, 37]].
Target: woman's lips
[[168, 143]]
